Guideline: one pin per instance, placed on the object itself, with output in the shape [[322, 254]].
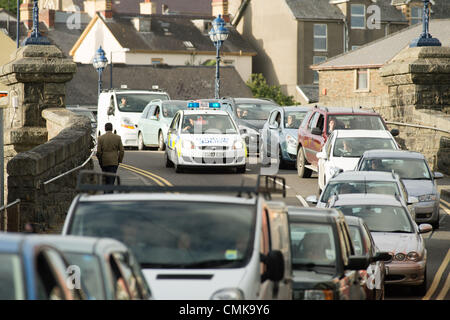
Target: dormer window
[[358, 16], [416, 15]]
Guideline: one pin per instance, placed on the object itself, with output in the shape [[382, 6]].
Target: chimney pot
[[48, 17]]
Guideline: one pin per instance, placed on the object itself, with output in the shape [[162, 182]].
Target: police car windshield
[[208, 124], [136, 102], [254, 111], [169, 109], [380, 218], [173, 234], [11, 278], [414, 169], [345, 187]]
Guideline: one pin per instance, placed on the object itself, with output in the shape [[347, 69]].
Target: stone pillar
[[36, 79]]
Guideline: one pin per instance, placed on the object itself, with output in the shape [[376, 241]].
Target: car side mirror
[[358, 263], [381, 256], [153, 118], [412, 200], [274, 125], [274, 261], [425, 228], [110, 111], [316, 131], [395, 132], [438, 175], [321, 155], [243, 131], [313, 199]]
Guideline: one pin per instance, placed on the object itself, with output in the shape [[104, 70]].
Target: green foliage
[[210, 62], [9, 5], [261, 89]]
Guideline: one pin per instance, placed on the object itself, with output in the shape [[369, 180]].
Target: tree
[[261, 89], [9, 5]]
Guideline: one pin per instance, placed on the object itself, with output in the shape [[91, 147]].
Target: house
[[8, 48], [353, 79], [291, 35], [150, 39], [180, 82]]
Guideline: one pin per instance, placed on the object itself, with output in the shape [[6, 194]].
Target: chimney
[[48, 17], [104, 7], [220, 7], [26, 13], [148, 7]]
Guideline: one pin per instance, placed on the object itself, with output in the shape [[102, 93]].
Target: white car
[[344, 148], [204, 138]]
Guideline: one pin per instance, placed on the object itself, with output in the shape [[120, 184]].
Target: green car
[[155, 121]]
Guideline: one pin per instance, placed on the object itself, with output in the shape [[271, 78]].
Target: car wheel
[[141, 145], [421, 289], [241, 169], [302, 171], [169, 164], [436, 224], [161, 144], [283, 163]]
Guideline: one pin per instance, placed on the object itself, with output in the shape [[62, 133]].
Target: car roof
[[183, 197], [205, 111], [295, 108], [365, 175], [315, 215], [362, 133], [381, 153], [11, 242], [172, 101], [346, 110], [367, 199], [120, 91], [243, 100]]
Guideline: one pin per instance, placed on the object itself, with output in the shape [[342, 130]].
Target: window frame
[[357, 15], [356, 79], [320, 37], [317, 72], [419, 18]]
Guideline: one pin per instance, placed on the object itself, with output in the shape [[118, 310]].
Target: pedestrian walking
[[110, 152]]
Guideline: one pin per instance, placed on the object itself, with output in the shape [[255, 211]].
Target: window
[[313, 121], [358, 16], [362, 79], [320, 37], [416, 15], [157, 60], [317, 60]]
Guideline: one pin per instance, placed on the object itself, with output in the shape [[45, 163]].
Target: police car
[[204, 136]]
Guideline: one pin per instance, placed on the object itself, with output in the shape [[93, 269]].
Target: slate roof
[[389, 13], [179, 6], [181, 82], [378, 52], [316, 10], [311, 91], [180, 29]]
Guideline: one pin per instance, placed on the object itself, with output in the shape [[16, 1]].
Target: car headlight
[[318, 295], [126, 123], [400, 257], [187, 144], [427, 197], [238, 145], [413, 256], [291, 140], [228, 294]]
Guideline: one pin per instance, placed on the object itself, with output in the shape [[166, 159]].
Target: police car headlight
[[400, 257], [318, 295], [238, 145], [187, 144], [228, 294], [413, 256], [427, 197], [291, 141]]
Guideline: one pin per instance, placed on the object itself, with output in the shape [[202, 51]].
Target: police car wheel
[[141, 145], [178, 168], [169, 164], [241, 169]]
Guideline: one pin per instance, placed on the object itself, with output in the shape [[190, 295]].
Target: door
[[267, 288], [172, 137], [154, 121], [143, 124], [317, 141], [323, 164], [273, 133], [307, 138]]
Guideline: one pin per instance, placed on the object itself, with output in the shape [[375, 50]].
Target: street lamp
[[425, 39], [100, 63], [218, 34], [111, 63], [35, 37]]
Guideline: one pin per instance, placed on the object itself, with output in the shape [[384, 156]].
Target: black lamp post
[[35, 38], [100, 63], [425, 39], [218, 35]]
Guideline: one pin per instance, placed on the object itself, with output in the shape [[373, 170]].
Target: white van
[[199, 245], [123, 108]]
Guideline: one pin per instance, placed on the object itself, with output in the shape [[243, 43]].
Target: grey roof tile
[[317, 9]]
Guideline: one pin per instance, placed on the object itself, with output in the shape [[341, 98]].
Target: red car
[[320, 121]]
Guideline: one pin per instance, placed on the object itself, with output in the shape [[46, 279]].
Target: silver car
[[419, 180], [393, 231]]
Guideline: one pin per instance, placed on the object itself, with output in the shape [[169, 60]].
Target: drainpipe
[[386, 28], [345, 35], [240, 13]]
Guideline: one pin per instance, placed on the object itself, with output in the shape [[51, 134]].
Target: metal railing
[[4, 216], [417, 126]]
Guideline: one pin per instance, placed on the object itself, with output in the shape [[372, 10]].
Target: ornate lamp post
[[218, 34], [100, 63], [35, 38], [425, 39]]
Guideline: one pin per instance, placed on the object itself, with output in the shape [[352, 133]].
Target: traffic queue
[[239, 242]]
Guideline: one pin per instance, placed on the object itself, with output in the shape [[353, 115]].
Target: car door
[[264, 132], [143, 123], [154, 124], [307, 138], [172, 136], [324, 164], [317, 140], [272, 133]]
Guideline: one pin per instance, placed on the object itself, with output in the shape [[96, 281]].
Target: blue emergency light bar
[[214, 105], [193, 105]]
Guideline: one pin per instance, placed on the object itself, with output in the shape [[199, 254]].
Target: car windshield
[[312, 245], [136, 102], [254, 111], [415, 169], [293, 119], [355, 147], [381, 218], [208, 124], [175, 234], [358, 244], [91, 274], [169, 109], [11, 278], [355, 121], [343, 187]]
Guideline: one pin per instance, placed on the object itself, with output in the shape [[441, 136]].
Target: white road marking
[[279, 183], [303, 201]]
